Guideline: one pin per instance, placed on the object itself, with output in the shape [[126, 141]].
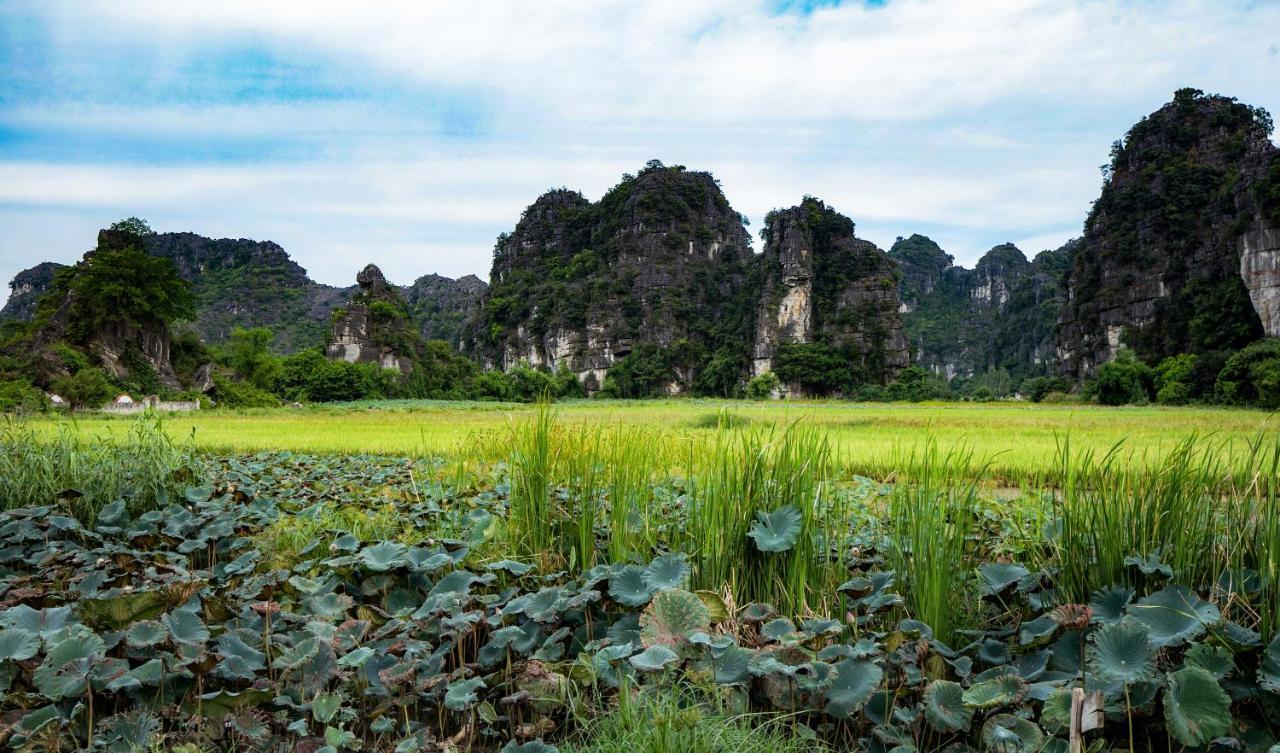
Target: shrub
[[21, 396], [1238, 382], [816, 368], [1173, 393], [915, 384], [232, 394], [1122, 381], [530, 384], [88, 387], [565, 384], [493, 385], [1036, 388], [763, 387], [335, 381], [295, 373]]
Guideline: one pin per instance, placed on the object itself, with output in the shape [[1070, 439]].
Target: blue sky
[[410, 134]]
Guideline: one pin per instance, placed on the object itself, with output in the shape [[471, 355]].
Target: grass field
[[1021, 440]]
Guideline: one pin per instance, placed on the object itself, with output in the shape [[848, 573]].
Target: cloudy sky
[[411, 133]]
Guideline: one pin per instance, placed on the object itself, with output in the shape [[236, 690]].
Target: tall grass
[[80, 474], [532, 461], [632, 466], [1183, 508], [932, 515], [581, 471], [758, 470], [1265, 459]]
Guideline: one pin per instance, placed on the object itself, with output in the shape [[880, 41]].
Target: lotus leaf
[[944, 707], [627, 586], [666, 571], [1037, 631], [1056, 714], [998, 577], [186, 627], [240, 661], [1196, 708], [1269, 670], [126, 733], [357, 657], [654, 659], [1215, 660], [533, 746], [715, 605], [755, 613], [671, 617], [1122, 653], [146, 634], [461, 695], [1174, 615], [1150, 566], [852, 686], [67, 666], [17, 644], [515, 568], [733, 666], [385, 555], [779, 630], [149, 674], [1109, 604], [1006, 733], [325, 706], [1003, 690], [42, 622], [777, 531], [118, 612], [814, 676]]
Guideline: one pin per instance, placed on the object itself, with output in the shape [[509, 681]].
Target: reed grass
[[532, 462], [79, 473], [931, 519]]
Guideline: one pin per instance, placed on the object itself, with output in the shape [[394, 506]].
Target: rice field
[[1019, 442]]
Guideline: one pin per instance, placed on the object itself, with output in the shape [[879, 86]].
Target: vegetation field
[[1020, 440]]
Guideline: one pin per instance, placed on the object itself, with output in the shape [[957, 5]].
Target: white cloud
[[977, 122]]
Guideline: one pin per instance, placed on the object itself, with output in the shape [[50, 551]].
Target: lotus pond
[[585, 593]]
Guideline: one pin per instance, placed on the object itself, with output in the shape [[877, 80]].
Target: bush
[[334, 381], [1174, 393], [1247, 376], [232, 394], [295, 373], [88, 387], [816, 368], [915, 384], [1060, 398], [763, 387], [871, 393], [1122, 381], [493, 385], [1036, 388], [565, 384], [20, 395], [530, 384]]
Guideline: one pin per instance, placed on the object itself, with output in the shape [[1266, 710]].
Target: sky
[[410, 134]]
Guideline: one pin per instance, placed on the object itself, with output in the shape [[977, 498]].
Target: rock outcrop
[[26, 289], [1000, 314], [441, 306], [1179, 253], [660, 261], [374, 327], [821, 284]]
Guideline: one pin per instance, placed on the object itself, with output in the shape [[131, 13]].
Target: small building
[[123, 399], [57, 400]]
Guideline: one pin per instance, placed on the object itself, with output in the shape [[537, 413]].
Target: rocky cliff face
[[661, 260], [246, 283], [374, 327], [1181, 252], [1000, 314], [441, 306], [25, 290], [820, 283]]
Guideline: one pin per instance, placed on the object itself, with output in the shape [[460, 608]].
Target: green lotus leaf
[[666, 571], [1037, 631], [1215, 660], [146, 675], [457, 582], [627, 586], [814, 676], [533, 746], [852, 687], [325, 706], [515, 568], [1123, 653], [944, 707], [1151, 565], [1002, 690], [1269, 669], [1006, 733], [780, 630], [42, 622], [1108, 605], [146, 634], [118, 612], [777, 531], [671, 617], [67, 665], [33, 722], [733, 666], [1056, 714], [296, 655], [17, 644], [240, 661], [654, 659], [1174, 615], [217, 705], [384, 556], [461, 695], [755, 613], [1196, 708], [125, 733], [357, 657], [186, 627], [997, 577]]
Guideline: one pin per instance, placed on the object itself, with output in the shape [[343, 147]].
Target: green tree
[[123, 286], [762, 386], [916, 384], [1246, 377], [249, 355], [1122, 380], [135, 226], [87, 388], [816, 368]]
